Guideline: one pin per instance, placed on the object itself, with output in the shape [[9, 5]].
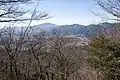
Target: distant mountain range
[[51, 30], [74, 29]]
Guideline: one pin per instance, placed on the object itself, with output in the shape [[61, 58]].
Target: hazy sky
[[70, 11]]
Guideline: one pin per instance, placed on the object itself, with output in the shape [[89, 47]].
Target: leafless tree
[[110, 6], [13, 11], [11, 43]]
